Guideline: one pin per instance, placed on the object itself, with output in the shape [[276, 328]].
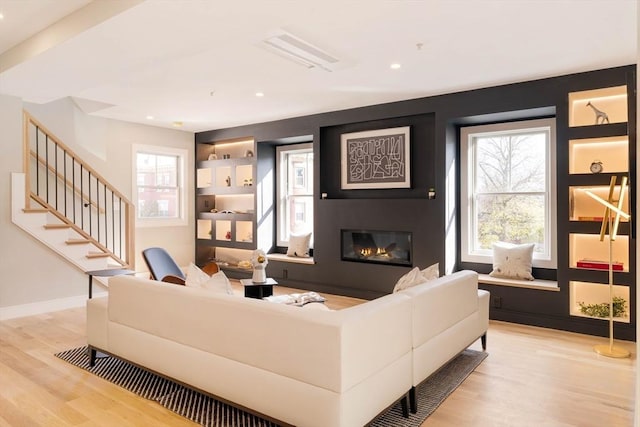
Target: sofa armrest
[[97, 318], [483, 308], [373, 336]]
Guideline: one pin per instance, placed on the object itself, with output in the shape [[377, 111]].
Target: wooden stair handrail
[[80, 231], [31, 119], [69, 184], [127, 234]]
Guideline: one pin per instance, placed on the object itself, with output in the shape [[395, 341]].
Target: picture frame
[[376, 159]]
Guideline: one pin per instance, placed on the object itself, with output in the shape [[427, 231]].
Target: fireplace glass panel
[[380, 247]]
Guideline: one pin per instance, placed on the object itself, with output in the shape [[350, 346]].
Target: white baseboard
[[41, 307]]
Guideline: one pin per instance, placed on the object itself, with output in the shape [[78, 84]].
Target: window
[[508, 189], [159, 189], [294, 167], [299, 174]]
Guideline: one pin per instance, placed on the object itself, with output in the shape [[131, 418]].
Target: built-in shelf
[[233, 216], [223, 230], [243, 232], [611, 101], [203, 229], [225, 197], [595, 293], [611, 152], [588, 247], [582, 207], [598, 135]]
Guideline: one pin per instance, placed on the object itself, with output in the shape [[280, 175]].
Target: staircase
[[62, 202]]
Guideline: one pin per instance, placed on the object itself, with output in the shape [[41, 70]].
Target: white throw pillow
[[412, 278], [512, 261], [218, 282], [417, 276], [299, 245], [431, 272]]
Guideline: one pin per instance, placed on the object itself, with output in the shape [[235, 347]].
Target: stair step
[[56, 226], [35, 210], [77, 241], [92, 255]]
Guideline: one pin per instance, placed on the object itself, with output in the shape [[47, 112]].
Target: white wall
[[31, 272]]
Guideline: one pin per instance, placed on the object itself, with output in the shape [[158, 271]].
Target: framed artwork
[[375, 159]]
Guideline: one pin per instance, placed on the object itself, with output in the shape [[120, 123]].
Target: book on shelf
[[590, 218], [599, 264]]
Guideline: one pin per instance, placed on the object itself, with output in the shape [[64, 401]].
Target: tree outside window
[[510, 188]]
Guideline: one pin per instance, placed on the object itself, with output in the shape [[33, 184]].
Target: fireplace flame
[[367, 252]]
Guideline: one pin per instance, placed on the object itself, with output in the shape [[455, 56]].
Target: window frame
[[467, 196], [181, 180], [282, 176]]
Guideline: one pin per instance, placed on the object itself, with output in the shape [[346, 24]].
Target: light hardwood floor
[[532, 377]]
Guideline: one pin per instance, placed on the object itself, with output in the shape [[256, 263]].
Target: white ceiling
[[201, 62]]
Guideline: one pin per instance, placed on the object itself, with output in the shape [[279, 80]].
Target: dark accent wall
[[435, 123]]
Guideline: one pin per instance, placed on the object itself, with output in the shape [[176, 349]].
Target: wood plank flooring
[[532, 377]]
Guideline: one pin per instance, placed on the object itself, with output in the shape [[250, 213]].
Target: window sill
[[285, 258], [539, 284], [152, 223]]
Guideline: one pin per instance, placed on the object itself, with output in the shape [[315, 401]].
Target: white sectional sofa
[[298, 366], [448, 315]]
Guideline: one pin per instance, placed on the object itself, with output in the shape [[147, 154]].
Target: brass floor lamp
[[611, 223]]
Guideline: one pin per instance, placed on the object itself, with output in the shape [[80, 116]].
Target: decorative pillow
[[412, 278], [431, 272], [218, 282], [512, 261], [417, 276], [299, 245]]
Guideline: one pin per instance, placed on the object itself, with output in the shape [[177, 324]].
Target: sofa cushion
[[512, 261], [217, 282]]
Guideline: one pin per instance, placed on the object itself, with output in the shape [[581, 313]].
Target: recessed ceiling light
[[395, 66], [177, 124], [259, 94], [149, 117]]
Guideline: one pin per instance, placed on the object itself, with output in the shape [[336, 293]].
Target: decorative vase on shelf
[[259, 262]]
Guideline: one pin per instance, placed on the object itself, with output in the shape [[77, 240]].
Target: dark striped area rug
[[210, 412]]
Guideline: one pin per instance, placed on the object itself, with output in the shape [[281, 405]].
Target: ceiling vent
[[294, 48]]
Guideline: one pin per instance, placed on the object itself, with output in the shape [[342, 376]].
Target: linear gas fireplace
[[380, 247]]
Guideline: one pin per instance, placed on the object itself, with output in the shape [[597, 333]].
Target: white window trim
[[182, 155], [281, 177], [466, 185]]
